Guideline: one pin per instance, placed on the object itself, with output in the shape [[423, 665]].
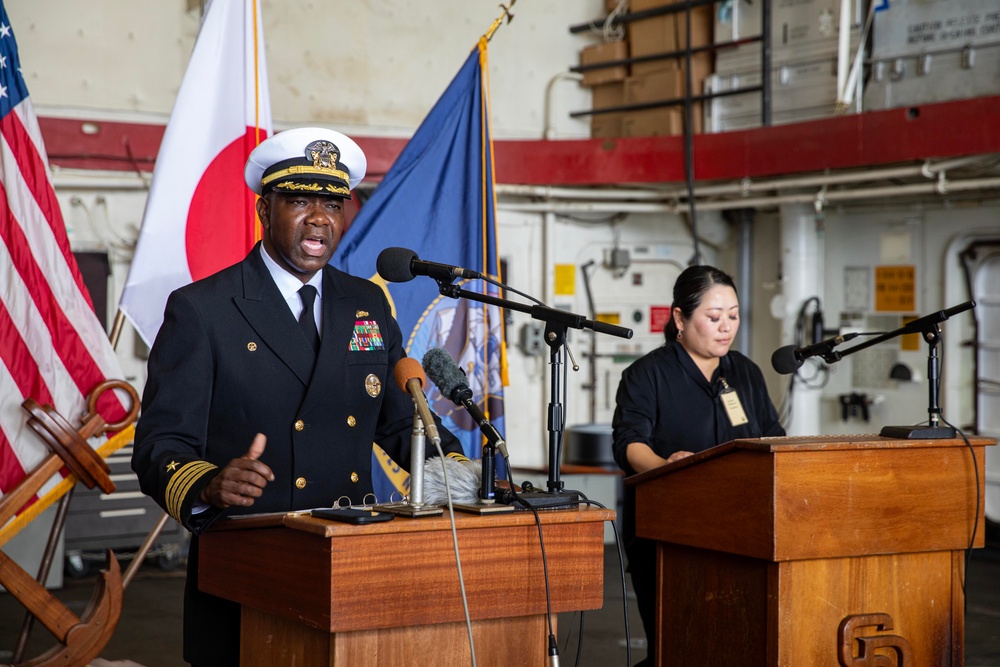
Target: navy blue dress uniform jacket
[[230, 361]]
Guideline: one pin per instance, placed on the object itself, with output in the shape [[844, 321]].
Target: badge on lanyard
[[734, 409]]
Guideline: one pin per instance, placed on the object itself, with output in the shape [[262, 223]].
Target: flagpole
[[116, 329], [140, 555], [496, 24]]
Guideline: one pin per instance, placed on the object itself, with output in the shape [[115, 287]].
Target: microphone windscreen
[[784, 361], [407, 369], [443, 371], [464, 477], [393, 264]]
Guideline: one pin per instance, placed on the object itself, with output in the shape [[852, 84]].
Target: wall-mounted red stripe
[[944, 129]]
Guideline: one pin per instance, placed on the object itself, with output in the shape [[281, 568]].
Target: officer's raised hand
[[242, 479]]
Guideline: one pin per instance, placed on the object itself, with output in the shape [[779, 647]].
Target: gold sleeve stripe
[[461, 458], [180, 484]]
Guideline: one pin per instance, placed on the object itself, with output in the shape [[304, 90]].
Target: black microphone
[[399, 265], [789, 358], [453, 384]]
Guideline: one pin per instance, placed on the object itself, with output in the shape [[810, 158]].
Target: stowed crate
[[599, 54], [800, 92], [656, 77], [804, 45], [934, 52]]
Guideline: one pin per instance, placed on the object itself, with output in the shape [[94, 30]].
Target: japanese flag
[[200, 215]]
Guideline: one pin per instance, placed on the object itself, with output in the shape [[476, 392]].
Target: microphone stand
[[928, 328], [414, 506], [556, 324]]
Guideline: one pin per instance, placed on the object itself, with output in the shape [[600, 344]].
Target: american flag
[[52, 346]]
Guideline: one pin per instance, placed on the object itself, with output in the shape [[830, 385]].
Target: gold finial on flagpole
[[496, 24]]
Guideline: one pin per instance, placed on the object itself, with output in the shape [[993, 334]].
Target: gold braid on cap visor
[[305, 170], [313, 187]]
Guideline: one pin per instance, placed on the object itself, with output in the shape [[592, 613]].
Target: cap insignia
[[324, 154]]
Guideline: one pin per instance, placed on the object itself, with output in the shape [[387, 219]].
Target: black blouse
[[664, 401]]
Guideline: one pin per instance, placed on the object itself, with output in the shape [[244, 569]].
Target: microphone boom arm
[[556, 323], [926, 325], [543, 313]]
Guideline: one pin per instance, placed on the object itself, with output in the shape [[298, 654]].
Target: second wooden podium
[[315, 592], [825, 551]]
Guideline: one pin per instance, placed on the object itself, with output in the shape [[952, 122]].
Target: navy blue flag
[[437, 199]]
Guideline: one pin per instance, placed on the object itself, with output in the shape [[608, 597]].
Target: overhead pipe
[[820, 199], [928, 170]]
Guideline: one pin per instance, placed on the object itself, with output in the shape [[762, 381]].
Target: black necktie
[[307, 320]]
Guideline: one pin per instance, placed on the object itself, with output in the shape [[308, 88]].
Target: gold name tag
[[734, 409]]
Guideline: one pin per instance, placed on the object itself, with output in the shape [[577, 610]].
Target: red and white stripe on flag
[[200, 215], [52, 346]]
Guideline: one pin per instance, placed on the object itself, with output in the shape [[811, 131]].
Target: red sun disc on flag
[[222, 220]]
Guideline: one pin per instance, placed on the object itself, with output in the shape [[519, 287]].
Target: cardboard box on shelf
[[603, 53], [607, 95], [701, 67], [653, 122], [658, 86], [663, 84], [667, 33], [702, 25], [652, 36], [606, 125]]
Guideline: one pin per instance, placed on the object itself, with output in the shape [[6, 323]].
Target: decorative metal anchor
[[80, 639]]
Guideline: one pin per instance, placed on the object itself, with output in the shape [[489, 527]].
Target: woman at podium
[[691, 394]]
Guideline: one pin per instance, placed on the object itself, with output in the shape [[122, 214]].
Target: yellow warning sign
[[895, 289], [909, 341], [565, 282]]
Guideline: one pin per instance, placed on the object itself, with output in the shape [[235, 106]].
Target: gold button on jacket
[[300, 483], [299, 425], [355, 477], [351, 421]]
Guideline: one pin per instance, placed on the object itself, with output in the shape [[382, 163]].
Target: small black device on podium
[[350, 515]]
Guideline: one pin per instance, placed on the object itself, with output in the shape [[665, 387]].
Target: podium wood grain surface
[[328, 592], [836, 551]]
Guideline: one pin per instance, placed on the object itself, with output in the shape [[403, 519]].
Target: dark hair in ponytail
[[689, 288]]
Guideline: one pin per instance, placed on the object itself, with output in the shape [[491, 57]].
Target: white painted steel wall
[[376, 65]]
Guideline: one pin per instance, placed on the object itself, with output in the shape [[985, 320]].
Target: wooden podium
[[835, 551], [317, 592]]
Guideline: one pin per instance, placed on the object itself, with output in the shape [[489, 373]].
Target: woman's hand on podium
[[677, 456]]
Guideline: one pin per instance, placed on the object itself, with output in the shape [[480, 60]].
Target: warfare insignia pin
[[361, 313]]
